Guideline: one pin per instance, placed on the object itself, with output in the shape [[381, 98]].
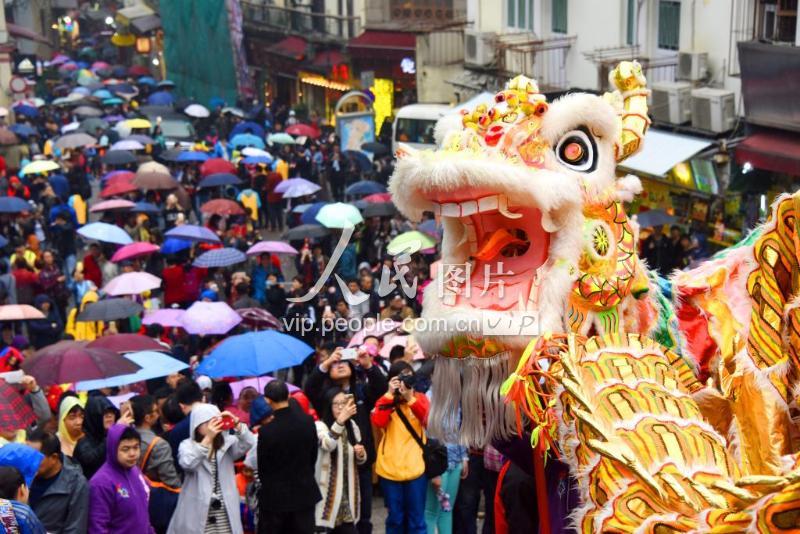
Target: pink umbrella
[[168, 317], [258, 383], [134, 250], [113, 204], [132, 284], [378, 198], [272, 247], [378, 329], [19, 312], [402, 341], [210, 318]]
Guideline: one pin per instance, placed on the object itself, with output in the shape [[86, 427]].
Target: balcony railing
[[656, 69], [299, 21], [541, 59]]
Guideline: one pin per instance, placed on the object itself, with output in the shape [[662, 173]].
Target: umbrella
[[146, 80], [300, 189], [365, 187], [3, 242], [27, 111], [192, 157], [378, 149], [384, 209], [140, 138], [378, 198], [102, 94], [175, 245], [298, 233], [217, 166], [271, 247], [145, 207], [13, 205], [222, 206], [138, 70], [302, 208], [247, 127], [233, 111], [304, 130], [118, 175], [87, 111], [15, 413], [256, 152], [210, 318], [359, 159], [118, 157], [407, 342], [153, 365], [431, 228], [127, 144], [258, 318], [107, 233], [161, 98], [91, 125], [71, 127], [281, 139], [136, 124], [168, 317], [254, 354], [19, 312], [115, 204], [23, 130], [198, 111], [134, 250], [126, 343], [220, 257], [7, 137], [410, 242], [132, 283], [219, 179], [193, 232], [246, 139], [339, 215], [656, 217], [117, 187], [171, 154], [71, 361], [110, 310], [154, 176], [166, 84], [258, 383], [257, 160], [113, 101], [40, 166]]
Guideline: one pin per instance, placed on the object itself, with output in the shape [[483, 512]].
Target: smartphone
[[227, 422], [349, 354]]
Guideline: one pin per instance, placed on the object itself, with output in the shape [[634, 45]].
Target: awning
[[129, 14], [147, 23], [21, 32], [291, 47], [662, 151], [772, 151], [327, 58], [374, 43]]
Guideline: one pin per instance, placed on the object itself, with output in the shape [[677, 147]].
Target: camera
[[408, 381]]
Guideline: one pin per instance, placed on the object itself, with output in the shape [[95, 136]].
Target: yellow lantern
[[143, 45], [123, 39]]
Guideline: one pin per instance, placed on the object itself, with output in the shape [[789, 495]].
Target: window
[[669, 24], [560, 16], [519, 14], [631, 23]]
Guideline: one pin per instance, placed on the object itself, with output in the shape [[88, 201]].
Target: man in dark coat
[[287, 454]]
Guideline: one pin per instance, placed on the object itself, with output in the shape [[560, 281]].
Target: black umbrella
[[118, 157], [359, 159], [170, 154], [379, 209], [378, 149], [656, 217], [110, 310], [298, 233]]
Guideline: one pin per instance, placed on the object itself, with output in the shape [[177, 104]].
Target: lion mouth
[[499, 249]]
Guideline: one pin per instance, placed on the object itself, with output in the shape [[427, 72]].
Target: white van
[[414, 125]]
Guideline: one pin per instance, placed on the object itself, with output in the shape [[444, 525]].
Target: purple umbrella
[[210, 318], [220, 257], [71, 361], [272, 247], [192, 232], [169, 317]]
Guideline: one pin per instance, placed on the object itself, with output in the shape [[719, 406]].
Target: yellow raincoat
[[82, 331]]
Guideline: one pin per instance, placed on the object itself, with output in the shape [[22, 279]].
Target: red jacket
[[173, 285], [91, 270], [273, 179]]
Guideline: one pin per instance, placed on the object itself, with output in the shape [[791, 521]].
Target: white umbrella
[[197, 111], [339, 215], [70, 127], [252, 151], [127, 144], [301, 190]]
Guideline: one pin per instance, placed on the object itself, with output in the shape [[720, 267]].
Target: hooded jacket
[[67, 443], [84, 331], [90, 451], [45, 331], [195, 498], [118, 496], [63, 508]]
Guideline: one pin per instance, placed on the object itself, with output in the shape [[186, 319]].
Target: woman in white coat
[[209, 500], [340, 452]]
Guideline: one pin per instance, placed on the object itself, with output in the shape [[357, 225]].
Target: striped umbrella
[[220, 257]]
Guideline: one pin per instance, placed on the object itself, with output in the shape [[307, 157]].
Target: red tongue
[[499, 239]]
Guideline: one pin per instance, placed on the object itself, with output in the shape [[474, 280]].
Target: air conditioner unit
[[478, 48], [671, 102], [713, 109], [692, 66]]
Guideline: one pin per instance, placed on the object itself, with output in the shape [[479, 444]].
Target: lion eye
[[576, 150]]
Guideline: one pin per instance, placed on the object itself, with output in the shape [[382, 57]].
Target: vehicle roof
[[423, 111]]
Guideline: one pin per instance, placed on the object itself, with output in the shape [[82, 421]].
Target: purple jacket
[[118, 496]]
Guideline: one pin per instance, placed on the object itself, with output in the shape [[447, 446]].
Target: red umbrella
[[116, 187], [19, 312], [14, 411], [259, 318], [222, 206], [134, 250], [378, 198], [217, 165], [66, 362], [139, 70], [126, 343], [303, 129]]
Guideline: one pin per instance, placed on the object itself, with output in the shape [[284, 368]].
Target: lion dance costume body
[[673, 417]]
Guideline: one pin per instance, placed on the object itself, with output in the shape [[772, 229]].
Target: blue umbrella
[[26, 110], [175, 245], [247, 127], [82, 91], [145, 207], [147, 80], [60, 185], [13, 205], [220, 257], [114, 101], [254, 354], [256, 160], [23, 130], [216, 102], [430, 227], [219, 179], [161, 98], [359, 159], [365, 187], [193, 232], [102, 94], [246, 139], [309, 215], [192, 157], [3, 242], [123, 88], [166, 83], [107, 233], [153, 365]]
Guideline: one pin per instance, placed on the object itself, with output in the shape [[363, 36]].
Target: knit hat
[[259, 410]]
